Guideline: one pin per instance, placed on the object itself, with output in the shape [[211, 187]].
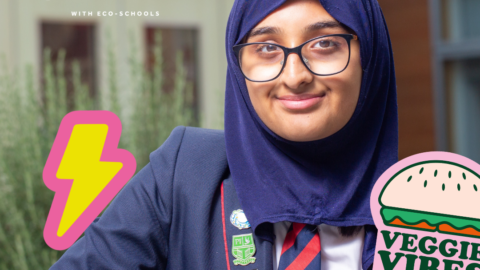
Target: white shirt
[[337, 252]]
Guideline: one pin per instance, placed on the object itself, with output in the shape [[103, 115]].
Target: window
[[463, 90], [461, 19], [78, 41], [172, 41], [456, 39]]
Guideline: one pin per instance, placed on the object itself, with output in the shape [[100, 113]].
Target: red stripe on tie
[[291, 236], [307, 255]]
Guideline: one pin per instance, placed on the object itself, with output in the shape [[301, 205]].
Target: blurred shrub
[[29, 120]]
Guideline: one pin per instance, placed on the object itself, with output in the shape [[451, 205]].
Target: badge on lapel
[[239, 220], [243, 248]]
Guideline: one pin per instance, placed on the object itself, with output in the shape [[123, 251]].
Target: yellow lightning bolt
[[81, 162]]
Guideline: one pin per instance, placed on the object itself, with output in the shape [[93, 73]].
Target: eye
[[324, 44], [267, 48]]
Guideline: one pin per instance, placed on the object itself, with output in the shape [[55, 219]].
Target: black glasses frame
[[297, 50]]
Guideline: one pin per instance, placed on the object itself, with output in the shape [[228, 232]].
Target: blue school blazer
[[175, 214]]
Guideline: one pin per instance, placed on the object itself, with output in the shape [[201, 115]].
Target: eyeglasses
[[323, 56]]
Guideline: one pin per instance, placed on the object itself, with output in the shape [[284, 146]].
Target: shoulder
[[190, 154], [188, 170], [192, 144], [198, 139]]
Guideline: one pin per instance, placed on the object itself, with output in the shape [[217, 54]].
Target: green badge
[[243, 249]]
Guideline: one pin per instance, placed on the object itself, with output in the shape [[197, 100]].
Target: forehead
[[295, 17], [297, 10]]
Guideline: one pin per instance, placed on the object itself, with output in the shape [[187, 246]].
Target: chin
[[302, 127], [300, 134]]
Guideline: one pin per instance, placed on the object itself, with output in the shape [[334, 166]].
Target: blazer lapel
[[239, 240]]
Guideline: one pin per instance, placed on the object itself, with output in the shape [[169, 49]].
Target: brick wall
[[408, 25]]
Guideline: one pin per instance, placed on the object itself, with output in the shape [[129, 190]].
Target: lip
[[302, 101]]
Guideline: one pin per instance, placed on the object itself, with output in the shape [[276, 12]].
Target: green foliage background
[[29, 120]]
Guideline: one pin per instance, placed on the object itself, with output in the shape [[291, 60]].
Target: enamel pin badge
[[243, 248], [239, 220]]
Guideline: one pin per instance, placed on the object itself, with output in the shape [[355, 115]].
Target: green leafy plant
[[30, 117]]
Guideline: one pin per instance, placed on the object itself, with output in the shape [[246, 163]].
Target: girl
[[310, 124]]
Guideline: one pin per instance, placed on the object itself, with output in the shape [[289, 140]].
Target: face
[[298, 105]]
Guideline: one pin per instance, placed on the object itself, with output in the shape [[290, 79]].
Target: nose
[[295, 73]]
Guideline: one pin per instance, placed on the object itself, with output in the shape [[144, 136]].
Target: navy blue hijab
[[325, 181]]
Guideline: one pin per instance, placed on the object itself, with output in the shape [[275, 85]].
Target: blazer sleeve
[[133, 231]]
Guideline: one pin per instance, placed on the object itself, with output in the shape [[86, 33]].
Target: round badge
[[239, 220]]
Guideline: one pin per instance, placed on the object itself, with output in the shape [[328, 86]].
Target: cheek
[[344, 89], [260, 95], [355, 81], [356, 72]]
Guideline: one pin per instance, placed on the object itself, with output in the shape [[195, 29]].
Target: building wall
[[20, 37], [408, 25]]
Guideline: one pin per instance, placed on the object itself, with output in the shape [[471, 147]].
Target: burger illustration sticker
[[427, 211]]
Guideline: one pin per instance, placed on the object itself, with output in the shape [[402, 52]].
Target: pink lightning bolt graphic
[[86, 170]]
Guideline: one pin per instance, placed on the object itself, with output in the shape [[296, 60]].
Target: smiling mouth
[[302, 101]]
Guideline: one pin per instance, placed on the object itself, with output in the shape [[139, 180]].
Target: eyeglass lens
[[323, 56]]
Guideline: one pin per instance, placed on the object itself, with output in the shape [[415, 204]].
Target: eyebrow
[[276, 30], [321, 25]]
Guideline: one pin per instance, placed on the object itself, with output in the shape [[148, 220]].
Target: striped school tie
[[301, 248]]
